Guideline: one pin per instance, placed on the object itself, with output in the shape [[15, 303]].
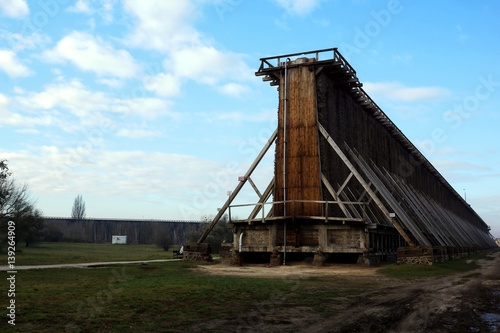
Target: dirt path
[[300, 269], [82, 265], [468, 302]]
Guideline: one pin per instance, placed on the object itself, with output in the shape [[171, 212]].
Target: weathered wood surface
[[303, 181]]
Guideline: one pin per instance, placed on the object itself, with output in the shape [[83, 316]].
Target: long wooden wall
[[348, 122], [101, 230]]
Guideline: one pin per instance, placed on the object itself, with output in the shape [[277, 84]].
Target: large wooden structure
[[346, 180]]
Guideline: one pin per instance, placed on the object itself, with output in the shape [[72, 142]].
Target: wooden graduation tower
[[347, 181]]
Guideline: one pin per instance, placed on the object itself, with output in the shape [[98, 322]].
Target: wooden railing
[[327, 209]]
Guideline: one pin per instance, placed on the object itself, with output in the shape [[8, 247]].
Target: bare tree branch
[[16, 205]]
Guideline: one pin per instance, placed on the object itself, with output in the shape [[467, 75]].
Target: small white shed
[[119, 240]]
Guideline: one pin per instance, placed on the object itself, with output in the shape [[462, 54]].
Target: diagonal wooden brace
[[363, 183]]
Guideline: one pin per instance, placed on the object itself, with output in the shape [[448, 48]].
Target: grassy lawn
[[69, 253], [159, 297], [171, 297]]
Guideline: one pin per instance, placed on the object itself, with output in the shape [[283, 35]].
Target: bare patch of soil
[[303, 270]]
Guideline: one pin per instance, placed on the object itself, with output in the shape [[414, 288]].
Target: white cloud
[[398, 92], [163, 84], [14, 119], [103, 8], [18, 41], [28, 131], [298, 7], [12, 115], [125, 174], [166, 26], [233, 89], [238, 116], [90, 53], [137, 133], [11, 65], [87, 104], [3, 101], [81, 6], [73, 96], [113, 83], [10, 118], [207, 65], [14, 8], [146, 107], [162, 25]]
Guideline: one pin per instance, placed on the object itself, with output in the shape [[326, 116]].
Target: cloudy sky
[[151, 109]]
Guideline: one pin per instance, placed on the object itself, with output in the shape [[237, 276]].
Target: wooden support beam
[[392, 201], [350, 197], [239, 186], [254, 187], [363, 183], [412, 205], [318, 70], [262, 199], [346, 219], [335, 196], [345, 183], [365, 193]]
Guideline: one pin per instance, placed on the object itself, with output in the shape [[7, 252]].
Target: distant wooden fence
[[93, 230]]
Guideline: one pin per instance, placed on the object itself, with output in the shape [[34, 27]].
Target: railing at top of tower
[[319, 55]]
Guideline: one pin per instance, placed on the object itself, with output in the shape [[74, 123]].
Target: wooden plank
[[399, 191], [418, 202], [345, 183], [347, 219], [238, 187], [400, 212], [263, 198], [363, 183], [330, 189], [254, 187], [300, 154]]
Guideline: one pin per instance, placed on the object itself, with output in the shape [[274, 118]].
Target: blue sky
[[150, 109]]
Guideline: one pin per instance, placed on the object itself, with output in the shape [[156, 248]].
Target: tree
[[6, 184], [192, 234], [220, 233], [78, 211], [164, 240], [29, 220], [16, 205]]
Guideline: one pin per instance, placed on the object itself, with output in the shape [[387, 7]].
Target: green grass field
[[70, 253], [167, 297], [159, 297]]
